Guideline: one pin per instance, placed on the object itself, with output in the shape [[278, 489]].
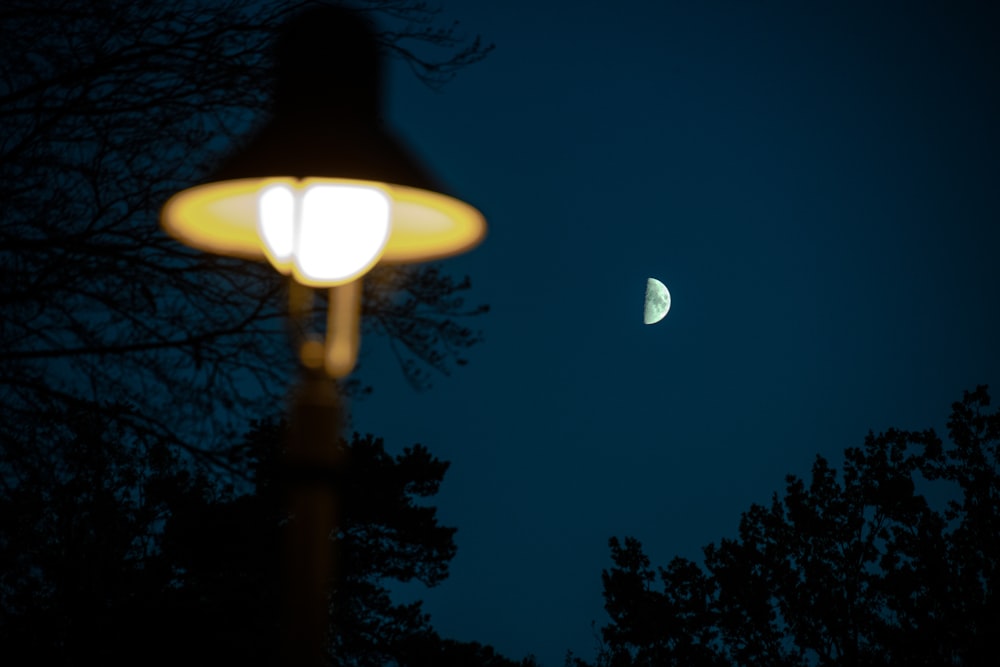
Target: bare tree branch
[[110, 107]]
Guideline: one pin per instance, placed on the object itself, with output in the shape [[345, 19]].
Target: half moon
[[657, 301]]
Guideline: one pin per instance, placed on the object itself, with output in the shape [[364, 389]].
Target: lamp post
[[323, 192]]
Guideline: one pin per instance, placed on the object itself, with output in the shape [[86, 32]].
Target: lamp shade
[[325, 131]]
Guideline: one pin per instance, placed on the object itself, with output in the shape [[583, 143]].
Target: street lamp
[[323, 192]]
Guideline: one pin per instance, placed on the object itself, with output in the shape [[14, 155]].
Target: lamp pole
[[323, 192], [312, 470], [314, 462]]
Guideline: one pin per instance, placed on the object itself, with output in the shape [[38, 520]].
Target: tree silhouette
[[110, 107], [122, 353], [115, 550], [128, 361], [862, 568]]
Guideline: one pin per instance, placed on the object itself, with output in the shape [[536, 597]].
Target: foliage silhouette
[[116, 550], [865, 568], [123, 353]]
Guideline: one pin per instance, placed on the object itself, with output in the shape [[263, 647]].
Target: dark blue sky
[[816, 183]]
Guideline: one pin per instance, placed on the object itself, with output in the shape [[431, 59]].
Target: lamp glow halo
[[221, 217]]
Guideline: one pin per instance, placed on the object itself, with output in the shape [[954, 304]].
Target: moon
[[657, 301]]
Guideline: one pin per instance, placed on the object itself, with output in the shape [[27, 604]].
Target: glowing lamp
[[324, 191], [329, 233], [277, 218]]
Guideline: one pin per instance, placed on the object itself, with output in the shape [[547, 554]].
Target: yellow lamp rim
[[221, 217]]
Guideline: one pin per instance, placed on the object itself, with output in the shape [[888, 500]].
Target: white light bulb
[[276, 224], [341, 232]]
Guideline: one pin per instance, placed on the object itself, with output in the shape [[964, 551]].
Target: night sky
[[816, 184]]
